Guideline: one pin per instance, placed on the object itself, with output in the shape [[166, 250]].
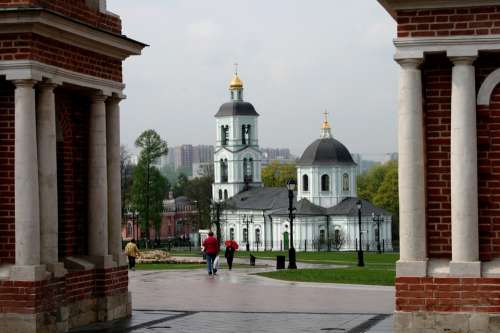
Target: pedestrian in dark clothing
[[229, 255], [211, 249]]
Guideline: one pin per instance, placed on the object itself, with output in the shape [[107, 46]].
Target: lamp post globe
[[361, 261], [291, 185]]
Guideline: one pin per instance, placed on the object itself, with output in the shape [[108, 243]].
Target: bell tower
[[237, 158]]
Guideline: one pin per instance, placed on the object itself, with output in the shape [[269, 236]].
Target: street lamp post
[[290, 185], [361, 262], [377, 218], [248, 220]]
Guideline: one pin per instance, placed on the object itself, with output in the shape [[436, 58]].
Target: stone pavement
[[238, 301]]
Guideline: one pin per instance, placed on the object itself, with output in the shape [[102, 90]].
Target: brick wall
[[448, 294], [449, 22], [48, 295], [7, 235], [24, 46], [76, 9], [436, 76], [72, 114]]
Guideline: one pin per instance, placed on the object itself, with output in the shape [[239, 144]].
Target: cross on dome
[[325, 129]]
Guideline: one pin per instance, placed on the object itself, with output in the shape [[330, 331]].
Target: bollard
[[280, 262]]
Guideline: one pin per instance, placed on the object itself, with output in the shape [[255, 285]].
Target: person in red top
[[211, 248]]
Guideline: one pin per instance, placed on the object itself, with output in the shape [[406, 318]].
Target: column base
[[465, 269], [121, 260], [411, 268], [437, 322], [28, 273], [103, 262], [57, 269]]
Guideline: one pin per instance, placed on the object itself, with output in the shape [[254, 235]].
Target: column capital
[[464, 60], [98, 97], [115, 99], [48, 85], [410, 63], [24, 83]]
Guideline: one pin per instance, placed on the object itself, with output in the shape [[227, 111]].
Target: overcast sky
[[297, 58]]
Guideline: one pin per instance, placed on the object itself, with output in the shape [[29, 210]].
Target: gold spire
[[236, 82], [326, 125]]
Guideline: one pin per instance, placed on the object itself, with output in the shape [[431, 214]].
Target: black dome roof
[[236, 108], [326, 151]]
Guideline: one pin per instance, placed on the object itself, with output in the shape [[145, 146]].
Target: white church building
[[326, 215]]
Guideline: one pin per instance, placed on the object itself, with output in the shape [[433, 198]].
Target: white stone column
[[98, 183], [47, 175], [413, 255], [27, 218], [464, 197], [114, 181]]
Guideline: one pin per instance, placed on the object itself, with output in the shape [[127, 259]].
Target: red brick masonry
[[47, 296], [76, 9], [449, 22], [447, 294]]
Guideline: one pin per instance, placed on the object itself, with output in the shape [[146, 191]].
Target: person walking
[[211, 248], [132, 251], [229, 254]]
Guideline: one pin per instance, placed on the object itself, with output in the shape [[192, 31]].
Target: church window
[[305, 183], [345, 182], [257, 236], [322, 236], [247, 170], [223, 171], [225, 195], [245, 235], [220, 194], [325, 183], [224, 135], [245, 134], [231, 233]]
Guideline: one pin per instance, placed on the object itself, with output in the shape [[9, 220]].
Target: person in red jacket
[[211, 249]]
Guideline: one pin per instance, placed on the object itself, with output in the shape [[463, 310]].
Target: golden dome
[[236, 82]]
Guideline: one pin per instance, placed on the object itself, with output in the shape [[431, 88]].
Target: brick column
[[464, 191], [98, 183], [114, 180], [413, 258], [27, 218]]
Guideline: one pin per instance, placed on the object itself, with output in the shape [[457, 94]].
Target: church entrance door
[[285, 241]]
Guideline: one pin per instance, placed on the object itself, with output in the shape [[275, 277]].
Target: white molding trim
[[459, 46], [67, 31], [34, 70], [394, 5], [489, 84]]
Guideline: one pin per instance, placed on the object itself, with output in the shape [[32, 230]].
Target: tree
[[126, 169], [179, 187], [155, 192], [277, 174], [152, 148], [200, 191]]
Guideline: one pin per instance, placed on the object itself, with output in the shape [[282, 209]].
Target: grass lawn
[[352, 275]]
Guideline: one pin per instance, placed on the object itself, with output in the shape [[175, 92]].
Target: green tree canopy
[[277, 174], [379, 185], [152, 146], [180, 185], [200, 190]]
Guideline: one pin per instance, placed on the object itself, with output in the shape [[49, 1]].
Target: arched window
[[223, 171], [345, 182], [245, 134], [220, 194], [247, 170], [257, 236], [231, 233], [225, 195], [305, 183], [325, 183], [224, 134]]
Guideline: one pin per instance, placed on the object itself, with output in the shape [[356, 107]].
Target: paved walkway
[[238, 301]]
